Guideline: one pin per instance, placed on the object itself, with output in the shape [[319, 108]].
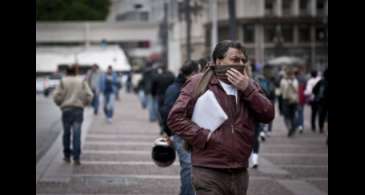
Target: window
[[144, 16], [143, 44], [288, 33], [223, 33], [304, 34], [320, 34], [269, 7], [269, 33], [304, 7], [133, 16], [287, 7], [249, 33], [320, 7]]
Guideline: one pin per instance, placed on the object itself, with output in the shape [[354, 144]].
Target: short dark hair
[[314, 73], [72, 70], [203, 62], [189, 67], [325, 74], [221, 48]]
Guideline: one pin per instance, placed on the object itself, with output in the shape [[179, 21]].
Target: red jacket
[[230, 145]]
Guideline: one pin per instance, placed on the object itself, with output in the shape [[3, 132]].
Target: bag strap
[[202, 85]]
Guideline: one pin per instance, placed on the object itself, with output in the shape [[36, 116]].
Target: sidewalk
[[116, 159]]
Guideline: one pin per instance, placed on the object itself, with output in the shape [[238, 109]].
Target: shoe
[[300, 129], [67, 159], [109, 120], [77, 162], [268, 133], [262, 136], [291, 133], [254, 158]]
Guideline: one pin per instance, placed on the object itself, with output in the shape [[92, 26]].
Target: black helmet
[[163, 153]]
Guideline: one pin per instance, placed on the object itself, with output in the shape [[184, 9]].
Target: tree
[[59, 10]]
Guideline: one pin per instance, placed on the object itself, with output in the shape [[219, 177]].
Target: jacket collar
[[214, 80]]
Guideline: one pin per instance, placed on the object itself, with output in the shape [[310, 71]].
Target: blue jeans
[[72, 120], [152, 108], [109, 104], [300, 116], [95, 102], [186, 187], [142, 98]]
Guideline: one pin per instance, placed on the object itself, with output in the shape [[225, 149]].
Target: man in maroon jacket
[[220, 157]]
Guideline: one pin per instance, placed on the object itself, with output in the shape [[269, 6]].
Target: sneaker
[[268, 133], [255, 166], [109, 120], [67, 159], [77, 162], [291, 133], [262, 136], [313, 129]]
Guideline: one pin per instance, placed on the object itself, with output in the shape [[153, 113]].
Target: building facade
[[268, 28]]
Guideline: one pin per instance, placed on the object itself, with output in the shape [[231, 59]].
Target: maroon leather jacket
[[230, 145]]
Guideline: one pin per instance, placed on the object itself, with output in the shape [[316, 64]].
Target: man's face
[[232, 56]]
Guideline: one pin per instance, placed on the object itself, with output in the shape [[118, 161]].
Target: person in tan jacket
[[72, 95]]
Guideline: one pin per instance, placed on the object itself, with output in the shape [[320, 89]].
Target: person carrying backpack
[[289, 91], [72, 95], [320, 92]]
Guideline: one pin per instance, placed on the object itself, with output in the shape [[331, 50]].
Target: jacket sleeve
[[171, 95], [102, 83], [179, 119], [259, 104], [88, 94], [59, 94]]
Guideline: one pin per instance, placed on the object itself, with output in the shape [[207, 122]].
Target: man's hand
[[169, 139], [239, 80]]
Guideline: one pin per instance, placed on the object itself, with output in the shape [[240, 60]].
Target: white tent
[[285, 60], [48, 59]]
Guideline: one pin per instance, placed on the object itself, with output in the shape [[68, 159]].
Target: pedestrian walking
[[72, 95], [320, 92], [109, 84], [289, 91], [310, 97], [299, 74], [93, 78], [172, 93], [160, 82]]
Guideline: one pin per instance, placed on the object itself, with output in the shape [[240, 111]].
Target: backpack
[[321, 92], [267, 87], [291, 93], [108, 85]]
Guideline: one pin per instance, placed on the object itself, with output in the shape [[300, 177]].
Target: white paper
[[208, 113]]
